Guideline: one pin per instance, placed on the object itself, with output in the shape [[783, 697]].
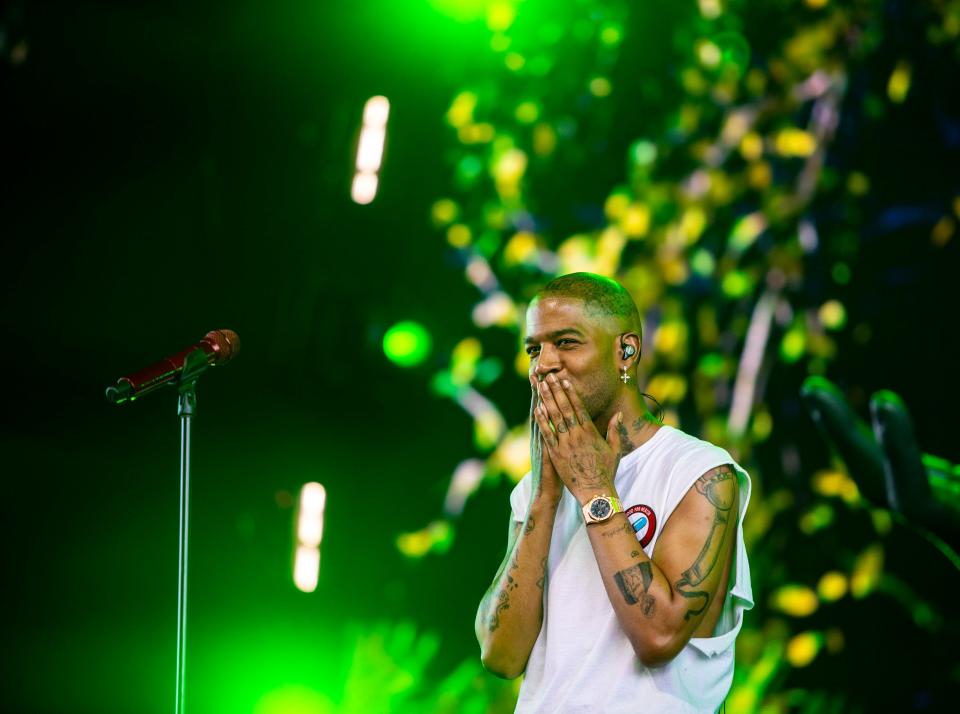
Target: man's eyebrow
[[554, 335]]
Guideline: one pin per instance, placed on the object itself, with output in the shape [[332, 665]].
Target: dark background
[[176, 168]]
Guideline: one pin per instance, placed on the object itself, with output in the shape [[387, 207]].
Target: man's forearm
[[641, 594], [511, 612], [660, 606]]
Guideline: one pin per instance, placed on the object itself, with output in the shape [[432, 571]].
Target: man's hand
[[545, 481], [585, 462]]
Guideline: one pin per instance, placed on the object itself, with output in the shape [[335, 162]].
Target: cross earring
[[625, 377]]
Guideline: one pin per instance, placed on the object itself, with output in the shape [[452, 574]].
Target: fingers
[[613, 432], [546, 433], [551, 394], [560, 392], [534, 399], [549, 405], [578, 409]]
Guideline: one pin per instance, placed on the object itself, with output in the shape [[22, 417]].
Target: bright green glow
[[643, 153], [793, 345], [407, 343], [294, 699], [462, 10], [712, 365], [736, 284], [702, 263]]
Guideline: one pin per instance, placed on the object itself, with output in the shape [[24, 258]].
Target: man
[[625, 577]]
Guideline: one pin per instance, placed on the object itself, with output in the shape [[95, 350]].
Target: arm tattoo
[[719, 487], [634, 582], [503, 603], [543, 576], [611, 532]]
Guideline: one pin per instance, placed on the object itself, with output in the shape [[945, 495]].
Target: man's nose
[[547, 361]]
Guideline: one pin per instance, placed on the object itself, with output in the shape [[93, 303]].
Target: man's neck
[[638, 425]]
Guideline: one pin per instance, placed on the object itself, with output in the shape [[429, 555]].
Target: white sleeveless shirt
[[582, 661]]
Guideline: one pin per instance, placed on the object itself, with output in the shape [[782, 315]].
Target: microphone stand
[[195, 362]]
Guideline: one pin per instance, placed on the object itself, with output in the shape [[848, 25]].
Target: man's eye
[[531, 351], [566, 341]]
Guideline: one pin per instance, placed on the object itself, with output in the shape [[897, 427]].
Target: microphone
[[216, 347]]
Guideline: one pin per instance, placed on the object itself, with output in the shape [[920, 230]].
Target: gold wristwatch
[[600, 508]]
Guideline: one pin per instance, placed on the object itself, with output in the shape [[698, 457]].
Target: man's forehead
[[552, 314]]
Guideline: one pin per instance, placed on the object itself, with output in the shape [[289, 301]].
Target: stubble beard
[[598, 395]]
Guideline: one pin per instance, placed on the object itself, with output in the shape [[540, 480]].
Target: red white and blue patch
[[644, 522]]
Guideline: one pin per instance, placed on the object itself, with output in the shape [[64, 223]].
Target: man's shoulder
[[689, 447], [675, 447]]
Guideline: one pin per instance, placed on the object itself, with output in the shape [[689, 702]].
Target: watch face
[[600, 509]]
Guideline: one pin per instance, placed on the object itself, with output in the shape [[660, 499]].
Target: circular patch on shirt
[[644, 522]]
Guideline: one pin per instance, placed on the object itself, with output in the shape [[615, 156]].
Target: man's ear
[[628, 347]]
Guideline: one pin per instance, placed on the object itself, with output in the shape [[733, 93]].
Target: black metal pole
[[186, 408]]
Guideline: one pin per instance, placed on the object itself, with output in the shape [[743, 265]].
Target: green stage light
[[463, 10], [407, 343]]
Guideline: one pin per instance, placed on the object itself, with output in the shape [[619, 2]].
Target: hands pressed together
[[565, 447]]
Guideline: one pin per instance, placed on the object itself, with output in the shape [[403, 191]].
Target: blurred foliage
[[734, 220]]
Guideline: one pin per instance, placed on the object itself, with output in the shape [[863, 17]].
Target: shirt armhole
[[520, 500]]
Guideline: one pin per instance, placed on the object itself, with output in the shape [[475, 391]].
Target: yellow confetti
[[500, 15], [635, 221], [858, 183], [692, 224], [600, 87], [898, 86], [461, 109], [708, 54], [762, 425], [616, 205], [519, 248], [544, 140], [444, 211], [670, 337], [476, 133], [943, 231], [458, 235], [668, 388], [832, 315], [832, 586], [793, 142], [438, 536], [802, 649], [751, 146], [513, 453], [867, 571], [795, 600], [835, 483]]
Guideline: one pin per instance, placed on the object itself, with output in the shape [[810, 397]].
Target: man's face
[[565, 340]]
